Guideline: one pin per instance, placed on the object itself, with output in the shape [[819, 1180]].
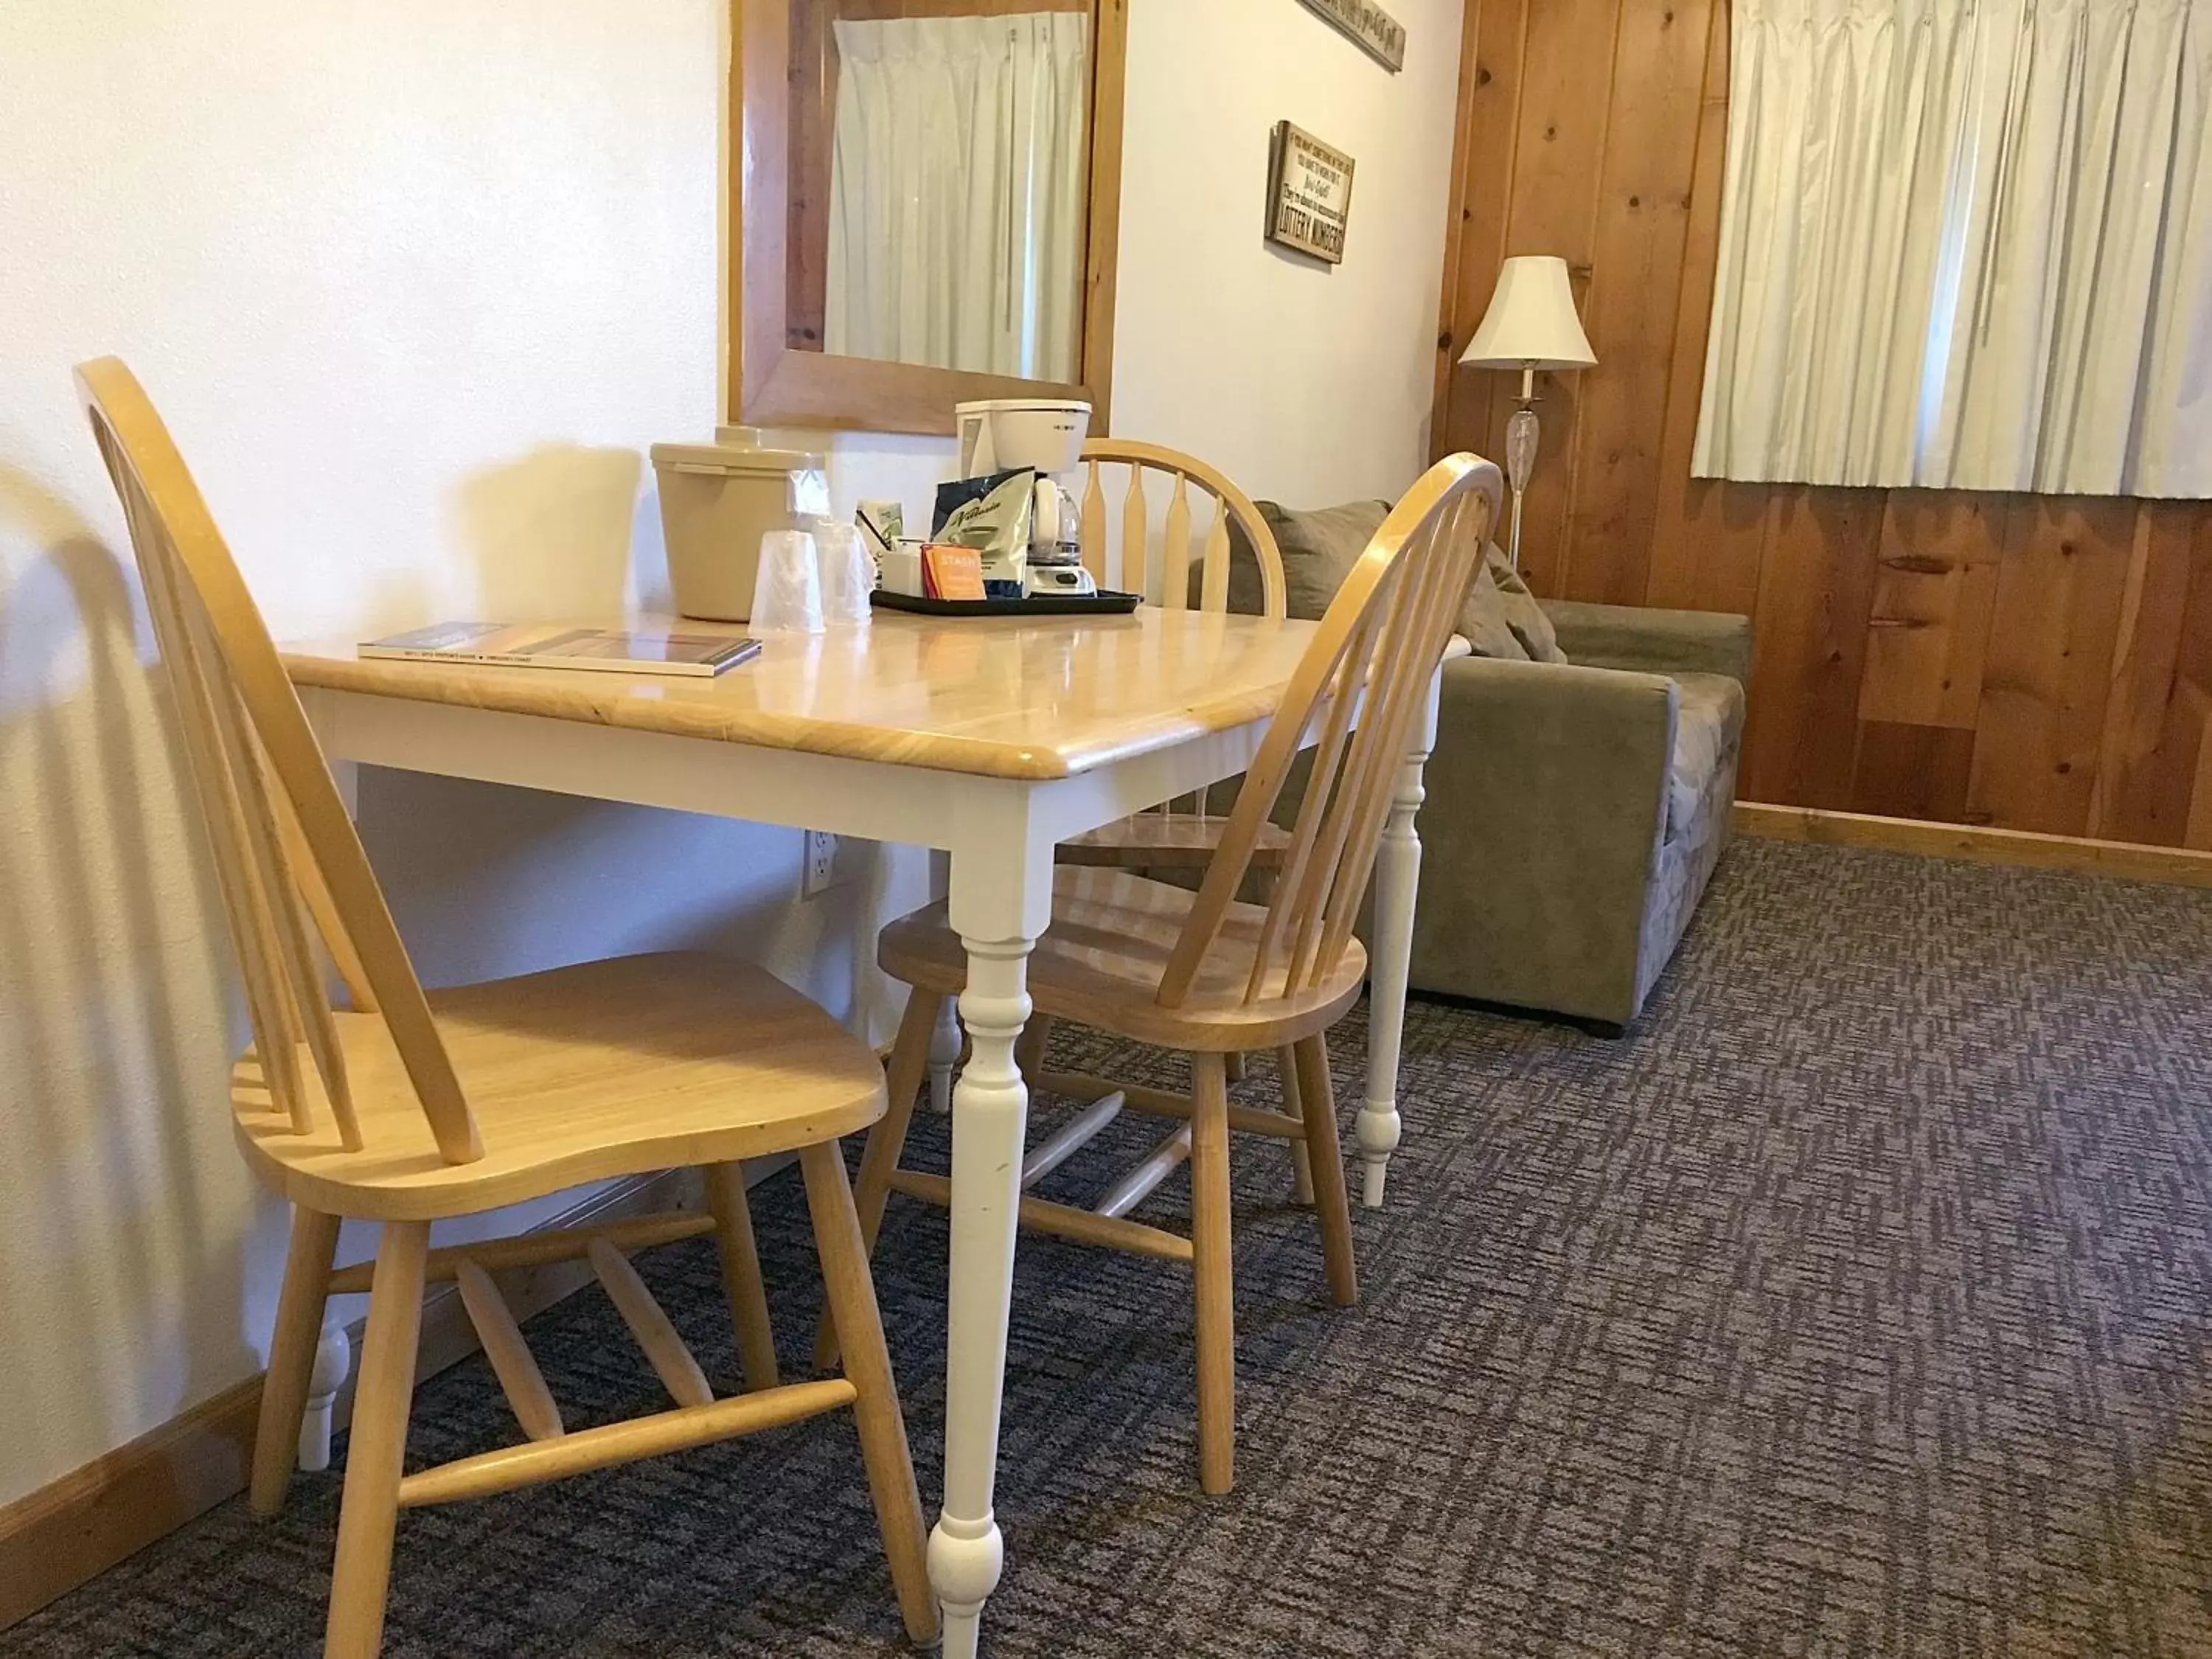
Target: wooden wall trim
[[67, 1531], [1102, 247], [2022, 662], [2077, 855], [74, 1528]]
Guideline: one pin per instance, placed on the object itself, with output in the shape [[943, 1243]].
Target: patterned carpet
[[1856, 1305]]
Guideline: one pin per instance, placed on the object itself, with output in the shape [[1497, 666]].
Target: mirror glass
[[939, 157]]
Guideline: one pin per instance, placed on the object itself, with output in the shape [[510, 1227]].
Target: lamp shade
[[1531, 322]]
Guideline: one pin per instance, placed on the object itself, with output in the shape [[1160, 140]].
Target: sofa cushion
[[1650, 640], [1708, 728], [1485, 621], [1500, 617], [1318, 548], [1518, 607]]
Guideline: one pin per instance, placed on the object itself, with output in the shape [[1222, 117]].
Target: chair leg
[[1213, 1274], [1234, 1065], [374, 1459], [947, 1045], [1030, 1047], [852, 1294], [1317, 1103], [741, 1272], [879, 1162], [291, 1357], [1301, 1187]]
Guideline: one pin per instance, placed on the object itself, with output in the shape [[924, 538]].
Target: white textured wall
[[1308, 383], [415, 284]]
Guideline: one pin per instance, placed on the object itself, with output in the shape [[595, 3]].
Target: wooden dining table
[[992, 740]]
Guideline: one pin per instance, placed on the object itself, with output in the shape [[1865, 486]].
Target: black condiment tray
[[1037, 604]]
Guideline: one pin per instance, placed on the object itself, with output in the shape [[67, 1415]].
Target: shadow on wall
[[550, 533], [482, 879], [124, 1213], [487, 881]]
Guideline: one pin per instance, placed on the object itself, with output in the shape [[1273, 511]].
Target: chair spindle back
[[1358, 691], [1129, 566], [288, 865]]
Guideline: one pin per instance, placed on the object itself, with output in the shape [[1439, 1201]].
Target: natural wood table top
[[1046, 697]]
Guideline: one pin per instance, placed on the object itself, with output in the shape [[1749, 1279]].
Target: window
[[1966, 244]]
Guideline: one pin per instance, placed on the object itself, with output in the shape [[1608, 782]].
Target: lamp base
[[1521, 431]]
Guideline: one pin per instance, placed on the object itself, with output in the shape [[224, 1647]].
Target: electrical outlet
[[819, 873]]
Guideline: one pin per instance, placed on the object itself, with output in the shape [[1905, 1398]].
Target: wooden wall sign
[[1309, 193], [1382, 35]]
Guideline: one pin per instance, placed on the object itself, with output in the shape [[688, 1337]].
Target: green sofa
[[1576, 808]]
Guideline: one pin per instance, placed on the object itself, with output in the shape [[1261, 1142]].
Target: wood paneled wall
[[2031, 662]]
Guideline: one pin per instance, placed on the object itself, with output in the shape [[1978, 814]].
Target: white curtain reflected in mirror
[[956, 192]]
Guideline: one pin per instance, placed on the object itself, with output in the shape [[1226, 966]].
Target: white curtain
[[956, 192], [1966, 244]]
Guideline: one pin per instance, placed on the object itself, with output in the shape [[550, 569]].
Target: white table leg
[[1001, 900], [1397, 883], [333, 1363]]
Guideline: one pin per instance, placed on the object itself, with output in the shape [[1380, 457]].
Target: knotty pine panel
[[1630, 312], [2178, 782], [1933, 597], [2028, 662], [1491, 62], [1566, 65], [2150, 741], [1904, 771], [2048, 665], [1809, 639]]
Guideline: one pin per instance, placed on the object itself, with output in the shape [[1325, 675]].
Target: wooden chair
[[409, 1107], [1165, 837], [1173, 836], [1207, 975]]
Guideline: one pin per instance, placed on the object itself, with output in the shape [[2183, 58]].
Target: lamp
[[1531, 325]]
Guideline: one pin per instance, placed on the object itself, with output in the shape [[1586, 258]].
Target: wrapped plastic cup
[[848, 574], [788, 590]]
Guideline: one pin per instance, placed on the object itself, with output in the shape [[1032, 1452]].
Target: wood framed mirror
[[925, 198]]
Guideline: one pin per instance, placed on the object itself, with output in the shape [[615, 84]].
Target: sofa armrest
[[1653, 641], [1554, 745], [1521, 743], [1547, 809]]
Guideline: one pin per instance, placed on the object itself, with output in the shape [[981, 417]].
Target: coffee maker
[[1046, 433]]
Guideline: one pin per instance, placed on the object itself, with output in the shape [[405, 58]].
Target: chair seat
[[1100, 962], [1162, 841], [583, 1073]]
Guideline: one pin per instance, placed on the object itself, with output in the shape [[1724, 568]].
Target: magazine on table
[[564, 645]]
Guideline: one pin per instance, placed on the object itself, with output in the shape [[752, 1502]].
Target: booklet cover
[[562, 645]]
